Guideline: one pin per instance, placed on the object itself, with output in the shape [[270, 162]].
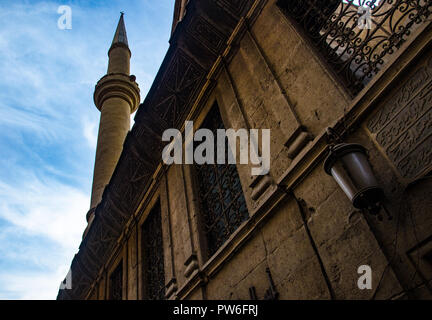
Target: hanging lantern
[[349, 165]]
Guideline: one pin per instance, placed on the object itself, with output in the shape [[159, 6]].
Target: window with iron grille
[[222, 201], [153, 256], [356, 37], [116, 283]]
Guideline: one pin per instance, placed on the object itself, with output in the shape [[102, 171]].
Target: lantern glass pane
[[353, 174], [343, 179], [359, 170]]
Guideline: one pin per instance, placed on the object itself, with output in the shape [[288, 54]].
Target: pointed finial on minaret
[[120, 36], [119, 52]]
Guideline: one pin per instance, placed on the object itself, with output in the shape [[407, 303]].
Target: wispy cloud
[[41, 227], [48, 126], [45, 208], [90, 130]]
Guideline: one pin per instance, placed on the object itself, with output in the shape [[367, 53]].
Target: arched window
[[222, 200]]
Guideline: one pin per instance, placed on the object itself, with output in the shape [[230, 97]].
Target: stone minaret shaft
[[117, 97]]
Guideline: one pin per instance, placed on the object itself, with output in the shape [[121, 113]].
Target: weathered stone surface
[[308, 85], [283, 224], [132, 266]]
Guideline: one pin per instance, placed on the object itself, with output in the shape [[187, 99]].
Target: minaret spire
[[119, 53], [120, 37], [116, 96]]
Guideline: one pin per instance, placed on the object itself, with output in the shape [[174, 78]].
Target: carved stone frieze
[[130, 179], [235, 7], [403, 126], [179, 85], [207, 34]]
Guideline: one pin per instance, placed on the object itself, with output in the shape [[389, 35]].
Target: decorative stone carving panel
[[134, 174], [81, 281], [100, 240], [148, 143], [403, 126], [179, 85], [235, 7], [207, 34]]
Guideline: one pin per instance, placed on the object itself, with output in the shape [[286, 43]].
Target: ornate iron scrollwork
[[357, 36]]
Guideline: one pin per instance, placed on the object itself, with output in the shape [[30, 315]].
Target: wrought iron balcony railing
[[356, 37]]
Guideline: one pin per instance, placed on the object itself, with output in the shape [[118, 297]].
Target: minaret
[[117, 97]]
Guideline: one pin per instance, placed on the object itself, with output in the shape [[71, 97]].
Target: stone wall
[[302, 228]]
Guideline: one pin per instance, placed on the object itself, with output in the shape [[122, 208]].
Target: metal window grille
[[116, 283], [153, 256], [222, 201], [356, 37]]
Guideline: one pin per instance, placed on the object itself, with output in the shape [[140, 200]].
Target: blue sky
[[48, 126]]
